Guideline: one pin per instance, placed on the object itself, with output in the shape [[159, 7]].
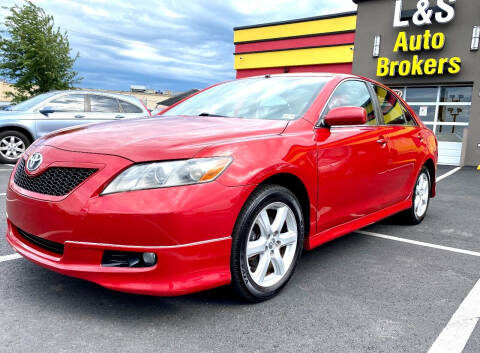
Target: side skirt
[[342, 229]]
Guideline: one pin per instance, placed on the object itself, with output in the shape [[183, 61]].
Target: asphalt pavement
[[360, 293]]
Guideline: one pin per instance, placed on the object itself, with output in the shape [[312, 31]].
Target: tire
[[12, 145], [420, 199], [273, 248]]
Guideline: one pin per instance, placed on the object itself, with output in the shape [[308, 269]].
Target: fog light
[[149, 258], [112, 258]]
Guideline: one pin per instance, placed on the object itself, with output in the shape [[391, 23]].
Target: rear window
[[103, 104], [129, 107]]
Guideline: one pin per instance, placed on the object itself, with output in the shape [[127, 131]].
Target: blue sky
[[165, 44]]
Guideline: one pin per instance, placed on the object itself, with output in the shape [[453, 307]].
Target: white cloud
[[165, 44], [94, 11]]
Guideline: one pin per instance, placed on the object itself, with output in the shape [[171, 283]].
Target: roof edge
[[306, 19]]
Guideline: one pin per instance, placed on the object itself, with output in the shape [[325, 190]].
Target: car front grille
[[55, 181], [48, 245]]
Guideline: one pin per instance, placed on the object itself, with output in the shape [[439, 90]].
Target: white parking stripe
[[421, 243], [10, 257], [453, 171], [455, 335]]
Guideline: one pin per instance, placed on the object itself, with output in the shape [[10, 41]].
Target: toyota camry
[[225, 187]]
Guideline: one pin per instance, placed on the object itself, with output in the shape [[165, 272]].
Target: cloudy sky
[[165, 44]]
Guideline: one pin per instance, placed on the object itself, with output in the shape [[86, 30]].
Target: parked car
[[227, 187], [5, 105], [21, 124]]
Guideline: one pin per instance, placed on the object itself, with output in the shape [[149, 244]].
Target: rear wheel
[[267, 242], [12, 145], [420, 199]]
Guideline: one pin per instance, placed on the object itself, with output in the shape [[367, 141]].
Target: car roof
[[130, 99], [335, 76]]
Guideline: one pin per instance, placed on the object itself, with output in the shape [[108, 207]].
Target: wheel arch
[[18, 129], [430, 165], [298, 188]]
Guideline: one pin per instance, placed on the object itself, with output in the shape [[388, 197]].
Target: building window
[[444, 109]]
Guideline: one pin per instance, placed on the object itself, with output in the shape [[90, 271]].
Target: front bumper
[[187, 228], [179, 269]]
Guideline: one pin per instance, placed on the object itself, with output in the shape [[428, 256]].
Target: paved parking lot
[[362, 293]]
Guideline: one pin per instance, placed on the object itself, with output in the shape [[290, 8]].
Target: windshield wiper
[[208, 114]]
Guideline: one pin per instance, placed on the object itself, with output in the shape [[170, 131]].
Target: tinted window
[[353, 94], [30, 103], [456, 94], [408, 117], [421, 94], [103, 104], [68, 103], [392, 110], [454, 114], [425, 112], [129, 108]]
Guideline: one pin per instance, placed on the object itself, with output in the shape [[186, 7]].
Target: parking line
[[421, 243], [10, 257], [453, 171], [455, 335]]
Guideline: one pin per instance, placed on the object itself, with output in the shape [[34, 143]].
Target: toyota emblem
[[34, 162]]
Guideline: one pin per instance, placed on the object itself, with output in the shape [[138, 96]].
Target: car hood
[[161, 138]]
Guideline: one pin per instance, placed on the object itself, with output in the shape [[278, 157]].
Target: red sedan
[[227, 186]]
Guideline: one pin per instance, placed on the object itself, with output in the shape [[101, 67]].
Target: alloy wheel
[[271, 244], [422, 191], [12, 147]]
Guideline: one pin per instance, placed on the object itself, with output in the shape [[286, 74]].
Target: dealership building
[[428, 50]]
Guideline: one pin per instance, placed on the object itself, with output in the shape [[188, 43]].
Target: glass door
[[445, 110]]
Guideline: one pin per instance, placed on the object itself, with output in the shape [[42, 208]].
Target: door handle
[[79, 116], [420, 137], [382, 141], [119, 116]]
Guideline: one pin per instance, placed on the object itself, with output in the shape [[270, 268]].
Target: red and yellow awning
[[297, 44]]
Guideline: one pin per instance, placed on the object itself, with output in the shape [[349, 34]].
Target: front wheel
[[420, 199], [12, 145], [267, 242]]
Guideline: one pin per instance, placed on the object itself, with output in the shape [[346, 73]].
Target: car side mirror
[[346, 116], [47, 110]]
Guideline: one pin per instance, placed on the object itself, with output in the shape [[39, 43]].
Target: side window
[[353, 94], [68, 103], [392, 110], [410, 121], [129, 108], [103, 104]]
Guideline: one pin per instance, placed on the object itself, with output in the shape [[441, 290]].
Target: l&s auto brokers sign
[[424, 15]]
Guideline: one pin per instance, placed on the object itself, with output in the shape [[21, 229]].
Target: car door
[[66, 110], [103, 108], [351, 160], [130, 110], [405, 140]]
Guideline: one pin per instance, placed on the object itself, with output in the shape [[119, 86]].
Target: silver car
[[23, 123]]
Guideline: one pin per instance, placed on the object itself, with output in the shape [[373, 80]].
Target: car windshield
[[30, 103], [276, 98]]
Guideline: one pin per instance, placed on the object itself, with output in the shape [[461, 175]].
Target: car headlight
[[165, 174]]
